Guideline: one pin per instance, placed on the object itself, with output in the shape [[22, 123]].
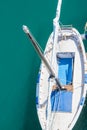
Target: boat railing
[[69, 27]]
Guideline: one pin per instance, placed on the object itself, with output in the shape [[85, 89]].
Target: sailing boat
[[62, 79]]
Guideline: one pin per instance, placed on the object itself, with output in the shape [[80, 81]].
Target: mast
[[41, 55], [37, 48]]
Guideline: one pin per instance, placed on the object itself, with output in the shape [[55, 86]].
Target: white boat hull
[[69, 41]]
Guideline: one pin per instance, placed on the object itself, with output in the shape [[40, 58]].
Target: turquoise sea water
[[19, 63]]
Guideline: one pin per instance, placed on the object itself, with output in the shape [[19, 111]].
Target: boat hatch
[[62, 100], [65, 67]]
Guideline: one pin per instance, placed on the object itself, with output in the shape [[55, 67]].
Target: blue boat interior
[[65, 70], [61, 101]]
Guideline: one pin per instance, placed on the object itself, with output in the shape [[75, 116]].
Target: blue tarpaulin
[[61, 101]]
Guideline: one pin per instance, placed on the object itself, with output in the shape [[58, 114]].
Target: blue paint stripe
[[36, 100], [38, 78], [85, 78], [82, 101]]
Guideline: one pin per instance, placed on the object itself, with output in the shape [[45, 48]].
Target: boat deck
[[55, 118]]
